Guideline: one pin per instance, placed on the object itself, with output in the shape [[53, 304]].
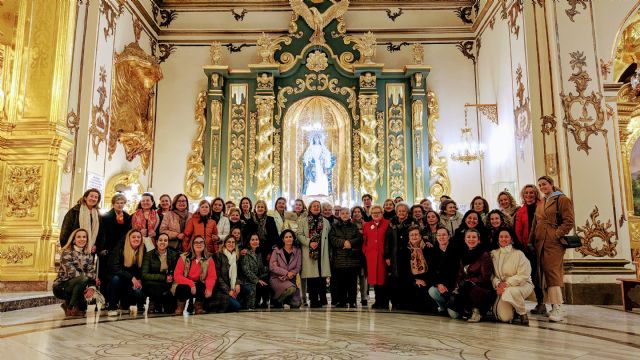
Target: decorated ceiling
[[284, 3]]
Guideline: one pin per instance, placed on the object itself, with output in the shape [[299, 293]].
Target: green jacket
[[151, 265]]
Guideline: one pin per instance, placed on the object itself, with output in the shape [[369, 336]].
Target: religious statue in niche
[[317, 165]]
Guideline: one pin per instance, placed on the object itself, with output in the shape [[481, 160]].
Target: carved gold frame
[[123, 179], [629, 121]]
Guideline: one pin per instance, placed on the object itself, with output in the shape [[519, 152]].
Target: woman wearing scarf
[[313, 234], [511, 279], [523, 221], [175, 221], [508, 205], [553, 220], [413, 267], [449, 215], [263, 225], [113, 227], [397, 238], [432, 223], [227, 292], [83, 215], [218, 211], [474, 293], [346, 242], [279, 214], [146, 220], [200, 224], [389, 208]]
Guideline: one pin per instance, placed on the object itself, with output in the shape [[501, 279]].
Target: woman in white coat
[[313, 234], [511, 279]]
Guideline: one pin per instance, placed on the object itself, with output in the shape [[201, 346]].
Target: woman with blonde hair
[[125, 269], [507, 204], [83, 215], [76, 274]]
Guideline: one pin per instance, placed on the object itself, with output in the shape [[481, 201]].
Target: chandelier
[[467, 150]]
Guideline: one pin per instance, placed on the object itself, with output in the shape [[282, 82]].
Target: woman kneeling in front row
[[285, 264], [511, 279], [227, 293], [195, 276], [157, 276], [76, 274], [125, 269]]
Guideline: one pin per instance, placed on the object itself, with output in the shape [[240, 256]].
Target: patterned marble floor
[[590, 332]]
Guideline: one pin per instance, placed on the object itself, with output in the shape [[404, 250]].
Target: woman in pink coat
[[373, 233]]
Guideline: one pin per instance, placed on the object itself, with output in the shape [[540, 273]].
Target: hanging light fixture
[[468, 149]]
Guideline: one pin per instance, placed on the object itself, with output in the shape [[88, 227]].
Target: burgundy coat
[[373, 249]]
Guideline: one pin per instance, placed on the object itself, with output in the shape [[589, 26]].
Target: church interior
[[323, 100]]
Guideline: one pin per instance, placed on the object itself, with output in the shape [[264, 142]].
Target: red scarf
[[139, 222]]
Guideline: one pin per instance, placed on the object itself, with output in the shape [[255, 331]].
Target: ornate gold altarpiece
[[378, 121]]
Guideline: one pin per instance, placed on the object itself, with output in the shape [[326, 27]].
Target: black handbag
[[567, 241]]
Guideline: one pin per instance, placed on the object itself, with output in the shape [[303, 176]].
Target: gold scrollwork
[[368, 81], [440, 183], [549, 124], [583, 125], [265, 81], [15, 254], [396, 168], [596, 238], [522, 112], [316, 82], [293, 26], [417, 52], [380, 135], [317, 61], [512, 12], [369, 142], [277, 149], [132, 108], [267, 47], [193, 187], [216, 128], [237, 142], [417, 111], [356, 159], [253, 124], [264, 145], [124, 181], [22, 192], [99, 114], [111, 15], [215, 53], [571, 12], [365, 44]]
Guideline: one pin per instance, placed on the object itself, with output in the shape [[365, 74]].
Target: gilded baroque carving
[[317, 61], [215, 53], [216, 128], [356, 158], [316, 82], [15, 254], [396, 168], [365, 44], [22, 192], [293, 27], [137, 29], [193, 187], [605, 68], [369, 144], [571, 12], [511, 12], [124, 180], [265, 81], [237, 142], [368, 81], [438, 167], [466, 48], [549, 124], [67, 167], [318, 21], [597, 239], [73, 122], [253, 133], [580, 123], [551, 161], [417, 52], [132, 107], [522, 112], [267, 47], [418, 78], [216, 80], [111, 15], [277, 149], [380, 134], [264, 145], [417, 113], [100, 114]]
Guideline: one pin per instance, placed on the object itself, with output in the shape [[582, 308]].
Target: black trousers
[[160, 295], [346, 285], [317, 290], [530, 254], [183, 292]]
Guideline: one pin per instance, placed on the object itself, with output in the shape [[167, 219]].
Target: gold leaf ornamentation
[[417, 113], [264, 145], [253, 125], [15, 254], [572, 12], [380, 134], [522, 112], [318, 21], [368, 81], [549, 124], [396, 168], [237, 142], [317, 61], [193, 187], [277, 136], [417, 52], [438, 167], [597, 239], [215, 53], [356, 159], [267, 47], [365, 44], [369, 143], [100, 114], [111, 15], [580, 123], [22, 193]]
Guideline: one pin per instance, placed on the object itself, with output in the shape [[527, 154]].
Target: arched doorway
[[326, 122]]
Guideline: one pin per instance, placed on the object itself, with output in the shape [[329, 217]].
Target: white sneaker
[[556, 314], [475, 316], [112, 313]]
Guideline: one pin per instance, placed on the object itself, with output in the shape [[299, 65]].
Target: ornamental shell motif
[[317, 61]]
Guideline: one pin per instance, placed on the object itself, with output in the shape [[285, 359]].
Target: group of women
[[225, 258]]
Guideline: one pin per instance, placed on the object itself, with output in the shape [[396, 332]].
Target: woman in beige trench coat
[[553, 219]]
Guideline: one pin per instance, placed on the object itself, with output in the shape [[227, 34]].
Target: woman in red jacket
[[523, 219], [194, 276], [201, 224], [373, 233]]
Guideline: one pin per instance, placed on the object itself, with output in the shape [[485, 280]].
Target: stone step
[[24, 300]]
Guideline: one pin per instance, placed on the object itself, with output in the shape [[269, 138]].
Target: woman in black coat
[[113, 228], [412, 268], [346, 243], [471, 220], [443, 260], [265, 226]]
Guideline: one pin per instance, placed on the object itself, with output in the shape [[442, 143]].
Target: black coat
[[397, 237], [116, 265], [443, 266], [266, 245], [339, 233], [71, 222], [111, 233]]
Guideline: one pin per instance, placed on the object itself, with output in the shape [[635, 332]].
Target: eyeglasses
[[182, 201]]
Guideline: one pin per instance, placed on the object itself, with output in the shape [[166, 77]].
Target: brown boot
[[74, 311], [198, 307], [180, 307]]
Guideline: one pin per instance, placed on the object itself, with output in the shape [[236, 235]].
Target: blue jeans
[[234, 305], [121, 291], [440, 299]]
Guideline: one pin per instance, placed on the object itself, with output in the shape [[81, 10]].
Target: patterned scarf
[[89, 220], [315, 233], [183, 216], [139, 222], [418, 262], [262, 225]]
